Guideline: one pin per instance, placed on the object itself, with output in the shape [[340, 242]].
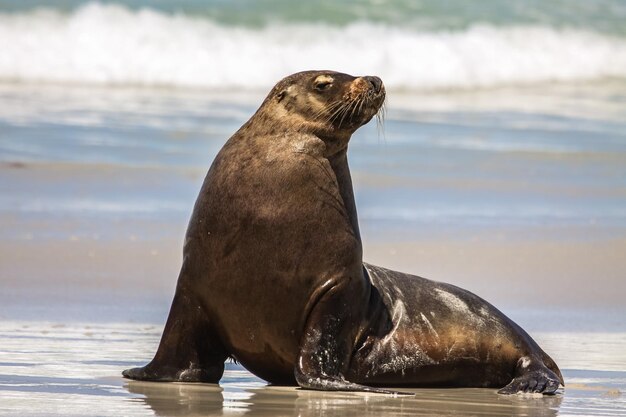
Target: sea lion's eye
[[322, 85], [323, 82]]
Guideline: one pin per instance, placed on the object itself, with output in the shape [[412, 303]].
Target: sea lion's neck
[[336, 148], [339, 163], [336, 143]]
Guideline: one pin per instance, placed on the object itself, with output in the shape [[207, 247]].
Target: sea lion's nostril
[[376, 83]]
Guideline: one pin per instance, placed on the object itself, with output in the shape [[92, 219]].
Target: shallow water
[[514, 158]]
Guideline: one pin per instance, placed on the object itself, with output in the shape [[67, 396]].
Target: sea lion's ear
[[284, 92], [281, 95]]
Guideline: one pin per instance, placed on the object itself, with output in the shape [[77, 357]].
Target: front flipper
[[189, 350], [159, 373], [327, 343], [533, 377], [326, 383]]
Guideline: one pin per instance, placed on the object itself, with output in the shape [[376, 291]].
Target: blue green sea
[[413, 45]]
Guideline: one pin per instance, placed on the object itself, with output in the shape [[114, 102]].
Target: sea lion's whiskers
[[354, 107], [335, 114], [350, 109], [340, 115], [324, 111], [345, 113], [366, 100], [342, 112], [334, 108], [380, 120], [335, 111], [320, 116]]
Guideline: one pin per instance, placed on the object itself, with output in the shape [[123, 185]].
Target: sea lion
[[273, 276]]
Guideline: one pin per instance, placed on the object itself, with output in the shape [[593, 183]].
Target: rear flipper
[[189, 350], [533, 376]]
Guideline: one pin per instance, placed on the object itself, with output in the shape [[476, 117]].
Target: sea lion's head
[[328, 104]]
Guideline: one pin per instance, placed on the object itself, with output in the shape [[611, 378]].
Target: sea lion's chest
[[274, 228]]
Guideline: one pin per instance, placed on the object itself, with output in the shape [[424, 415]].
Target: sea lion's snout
[[369, 85], [364, 97], [375, 83]]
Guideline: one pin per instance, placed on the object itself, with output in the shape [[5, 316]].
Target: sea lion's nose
[[376, 83]]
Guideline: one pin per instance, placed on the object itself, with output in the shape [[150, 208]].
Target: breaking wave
[[113, 45]]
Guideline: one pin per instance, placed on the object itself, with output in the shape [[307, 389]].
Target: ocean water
[[244, 44], [549, 160]]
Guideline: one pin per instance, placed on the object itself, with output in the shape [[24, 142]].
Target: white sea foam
[[110, 44]]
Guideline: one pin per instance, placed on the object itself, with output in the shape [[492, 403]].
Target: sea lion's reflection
[[426, 402], [177, 399], [169, 399]]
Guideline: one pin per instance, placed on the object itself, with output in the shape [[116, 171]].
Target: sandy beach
[[126, 254]]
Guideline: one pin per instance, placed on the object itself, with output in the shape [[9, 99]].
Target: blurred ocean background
[[500, 167], [248, 44], [527, 93]]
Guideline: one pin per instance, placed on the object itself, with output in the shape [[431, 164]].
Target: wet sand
[[528, 274], [72, 369]]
